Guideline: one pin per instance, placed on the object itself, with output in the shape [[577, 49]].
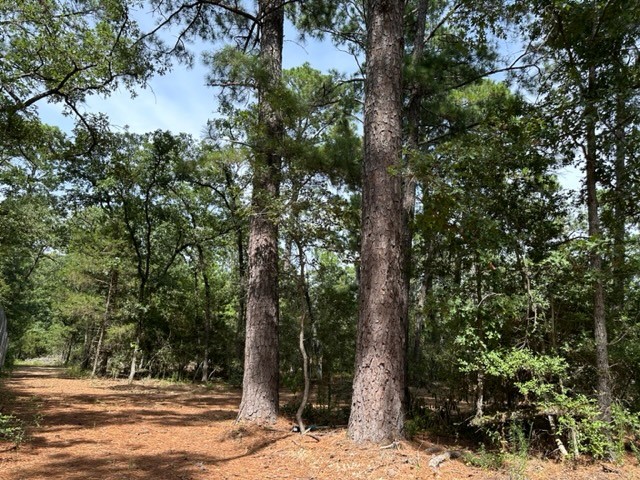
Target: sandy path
[[108, 430], [97, 429]]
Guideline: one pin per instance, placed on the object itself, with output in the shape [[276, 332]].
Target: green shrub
[[11, 429], [579, 421], [414, 426], [76, 371], [488, 460]]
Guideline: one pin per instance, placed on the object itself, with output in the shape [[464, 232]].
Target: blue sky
[[180, 101]]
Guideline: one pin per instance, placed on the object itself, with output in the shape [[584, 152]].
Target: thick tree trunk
[[599, 319], [413, 138], [377, 408], [261, 376]]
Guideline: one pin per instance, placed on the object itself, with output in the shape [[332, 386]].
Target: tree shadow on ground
[[81, 411], [68, 421], [182, 465], [90, 419], [169, 466]]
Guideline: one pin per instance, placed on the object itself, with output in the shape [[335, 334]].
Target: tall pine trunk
[[261, 376], [377, 408], [599, 319]]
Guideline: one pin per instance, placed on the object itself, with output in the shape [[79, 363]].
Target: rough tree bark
[[599, 319], [261, 377], [377, 408]]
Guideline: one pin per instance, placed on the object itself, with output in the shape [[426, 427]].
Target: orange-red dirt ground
[[109, 430]]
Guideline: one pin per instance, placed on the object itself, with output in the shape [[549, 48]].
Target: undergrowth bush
[[483, 458], [76, 371], [544, 401], [584, 432]]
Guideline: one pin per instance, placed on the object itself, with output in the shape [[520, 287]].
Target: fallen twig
[[307, 434], [561, 448], [607, 469]]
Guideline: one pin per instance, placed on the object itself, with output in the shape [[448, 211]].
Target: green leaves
[[63, 51], [531, 373]]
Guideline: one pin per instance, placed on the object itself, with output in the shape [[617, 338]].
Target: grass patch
[[484, 459], [12, 429], [16, 425], [39, 362]]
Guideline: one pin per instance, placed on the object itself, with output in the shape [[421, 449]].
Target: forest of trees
[[404, 229]]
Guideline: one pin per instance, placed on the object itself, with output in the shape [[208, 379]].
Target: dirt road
[[109, 430]]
